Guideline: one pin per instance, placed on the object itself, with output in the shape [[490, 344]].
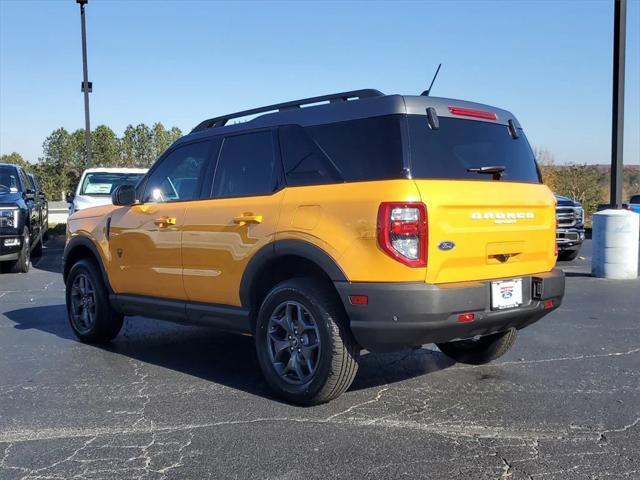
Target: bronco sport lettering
[[328, 230]]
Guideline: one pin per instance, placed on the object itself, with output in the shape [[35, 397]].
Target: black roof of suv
[[343, 106]]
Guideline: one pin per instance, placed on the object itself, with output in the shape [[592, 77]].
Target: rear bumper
[[401, 315]]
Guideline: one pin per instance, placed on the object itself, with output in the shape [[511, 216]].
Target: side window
[[177, 178], [246, 166], [364, 149], [26, 181], [304, 162]]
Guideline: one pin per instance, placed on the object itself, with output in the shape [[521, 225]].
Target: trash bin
[[616, 239]]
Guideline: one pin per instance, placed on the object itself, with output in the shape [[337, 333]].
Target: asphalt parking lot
[[168, 401]]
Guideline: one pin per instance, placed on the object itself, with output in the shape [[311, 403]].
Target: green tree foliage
[[105, 147], [59, 150], [64, 154], [138, 142], [16, 159]]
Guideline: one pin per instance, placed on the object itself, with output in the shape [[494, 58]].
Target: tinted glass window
[[26, 181], [246, 166], [458, 145], [34, 181], [103, 183], [178, 175], [304, 162], [8, 180], [635, 199], [360, 150]]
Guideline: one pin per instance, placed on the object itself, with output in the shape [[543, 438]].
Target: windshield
[[103, 183], [8, 180], [458, 145]]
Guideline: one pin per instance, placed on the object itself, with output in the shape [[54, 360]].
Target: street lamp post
[[86, 85], [617, 114]]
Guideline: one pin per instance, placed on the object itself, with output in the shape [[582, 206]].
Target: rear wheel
[[91, 316], [305, 349], [481, 350], [22, 264]]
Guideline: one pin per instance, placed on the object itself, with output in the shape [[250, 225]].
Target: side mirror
[[69, 197], [124, 195], [30, 194]]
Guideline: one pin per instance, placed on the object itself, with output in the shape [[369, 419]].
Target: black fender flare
[[83, 242], [282, 248]]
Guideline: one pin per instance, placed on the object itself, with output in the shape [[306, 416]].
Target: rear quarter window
[[351, 151], [457, 145]]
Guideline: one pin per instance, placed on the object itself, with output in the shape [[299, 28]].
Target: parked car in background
[[43, 205], [96, 185], [361, 221], [570, 227], [21, 218], [634, 204]]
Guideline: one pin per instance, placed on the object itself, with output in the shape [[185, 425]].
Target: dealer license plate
[[506, 294]]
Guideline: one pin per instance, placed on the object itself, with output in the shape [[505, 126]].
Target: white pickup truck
[[96, 185]]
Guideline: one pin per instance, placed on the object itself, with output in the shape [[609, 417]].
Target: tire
[[91, 316], [568, 255], [22, 264], [328, 368], [481, 351], [37, 249]]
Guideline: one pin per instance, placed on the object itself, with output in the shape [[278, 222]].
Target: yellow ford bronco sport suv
[[359, 221]]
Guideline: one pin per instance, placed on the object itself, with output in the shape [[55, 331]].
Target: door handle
[[163, 222], [247, 218]]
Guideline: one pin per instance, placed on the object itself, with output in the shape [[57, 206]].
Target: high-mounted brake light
[[402, 232], [469, 112]]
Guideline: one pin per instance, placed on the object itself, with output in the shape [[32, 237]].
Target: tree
[[58, 150], [581, 183], [548, 169], [137, 146], [78, 162], [16, 159], [105, 147]]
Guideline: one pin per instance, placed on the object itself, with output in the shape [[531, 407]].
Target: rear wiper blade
[[495, 170]]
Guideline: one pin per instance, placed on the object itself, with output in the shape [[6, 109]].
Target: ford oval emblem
[[446, 245]]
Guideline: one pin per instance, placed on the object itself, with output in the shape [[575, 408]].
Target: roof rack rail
[[332, 98]]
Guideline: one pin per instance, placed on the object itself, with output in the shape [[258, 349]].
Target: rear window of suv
[[457, 145], [350, 151]]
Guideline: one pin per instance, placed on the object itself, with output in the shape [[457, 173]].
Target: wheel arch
[[280, 261], [78, 248]]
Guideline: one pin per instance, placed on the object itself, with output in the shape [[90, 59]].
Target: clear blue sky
[[179, 62]]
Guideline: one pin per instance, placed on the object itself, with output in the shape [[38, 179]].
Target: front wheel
[[22, 264], [305, 349], [481, 350], [91, 316]]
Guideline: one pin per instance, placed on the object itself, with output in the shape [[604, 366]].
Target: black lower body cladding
[[402, 315]]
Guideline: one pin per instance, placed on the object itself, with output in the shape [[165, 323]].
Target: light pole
[[86, 84], [617, 114]]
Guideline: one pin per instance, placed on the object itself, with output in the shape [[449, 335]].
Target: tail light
[[402, 232]]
